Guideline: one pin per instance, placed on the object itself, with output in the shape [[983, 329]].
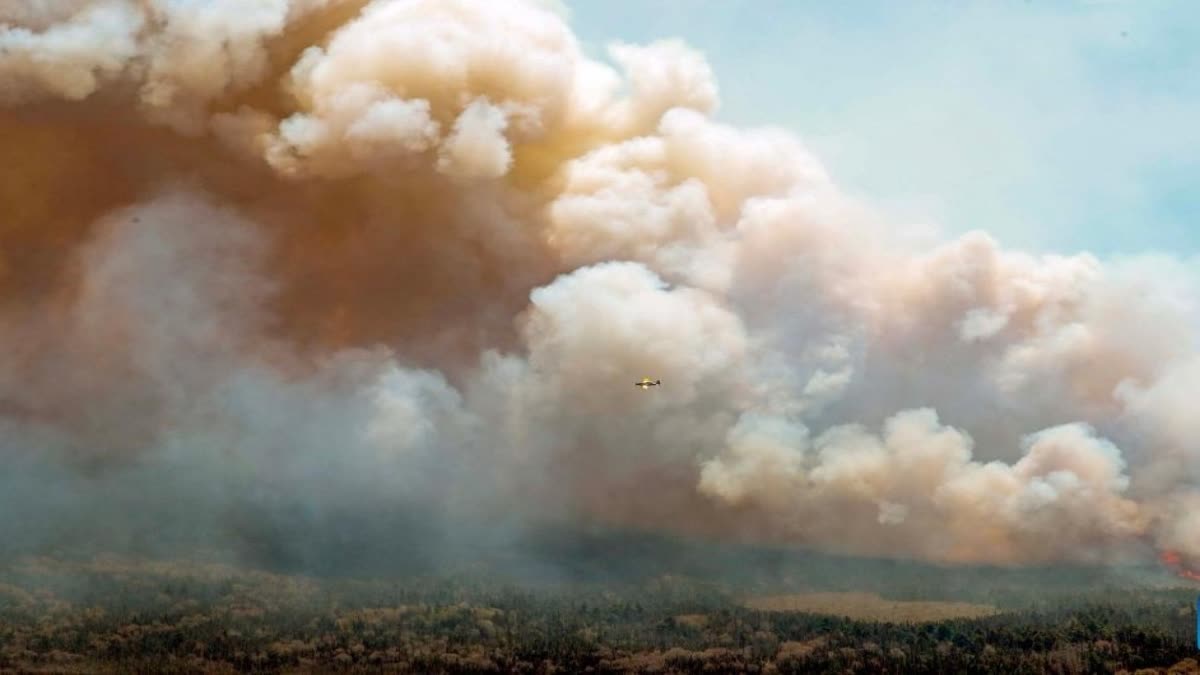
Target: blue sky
[[1055, 125]]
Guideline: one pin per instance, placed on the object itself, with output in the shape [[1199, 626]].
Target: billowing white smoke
[[350, 255]]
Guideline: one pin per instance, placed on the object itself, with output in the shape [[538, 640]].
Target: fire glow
[[1175, 563]]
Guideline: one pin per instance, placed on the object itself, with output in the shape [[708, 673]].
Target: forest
[[111, 614]]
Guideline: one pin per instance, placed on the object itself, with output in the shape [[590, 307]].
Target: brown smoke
[[360, 254]]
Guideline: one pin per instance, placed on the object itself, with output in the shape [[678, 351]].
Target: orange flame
[[1176, 564]]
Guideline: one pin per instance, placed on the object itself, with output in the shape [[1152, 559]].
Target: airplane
[[646, 383]]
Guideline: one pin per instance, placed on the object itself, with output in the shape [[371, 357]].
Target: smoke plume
[[290, 270]]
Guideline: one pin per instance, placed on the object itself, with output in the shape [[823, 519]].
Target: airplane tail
[[658, 382]]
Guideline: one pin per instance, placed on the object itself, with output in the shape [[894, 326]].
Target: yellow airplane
[[646, 383]]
